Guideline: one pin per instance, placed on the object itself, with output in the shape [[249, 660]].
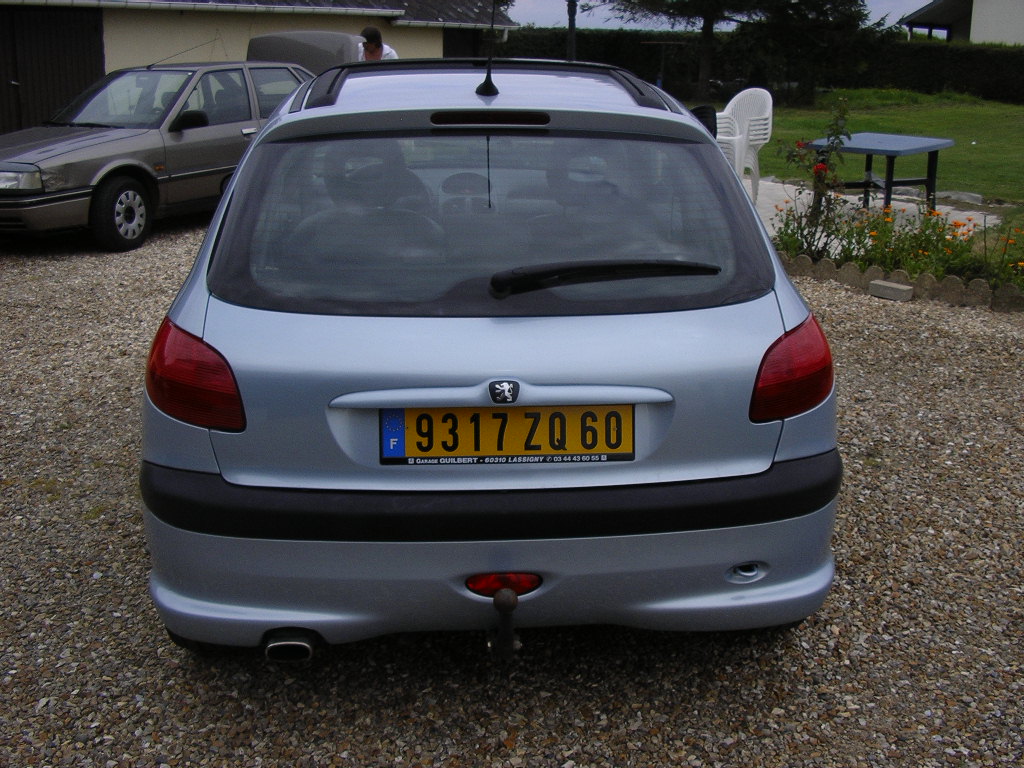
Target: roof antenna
[[180, 53], [487, 87]]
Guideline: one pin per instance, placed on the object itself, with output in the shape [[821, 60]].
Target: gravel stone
[[914, 660]]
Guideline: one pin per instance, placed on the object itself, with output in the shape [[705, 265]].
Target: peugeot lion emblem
[[504, 391]]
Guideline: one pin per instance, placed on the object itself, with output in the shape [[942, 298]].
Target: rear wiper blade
[[540, 276]]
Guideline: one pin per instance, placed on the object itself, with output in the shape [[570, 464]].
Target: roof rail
[[327, 86], [300, 95]]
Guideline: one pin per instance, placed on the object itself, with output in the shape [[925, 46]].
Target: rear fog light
[[488, 584]]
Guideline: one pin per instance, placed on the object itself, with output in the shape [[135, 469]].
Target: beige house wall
[[133, 38], [998, 21]]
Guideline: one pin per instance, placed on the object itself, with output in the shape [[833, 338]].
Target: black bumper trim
[[41, 199], [205, 503]]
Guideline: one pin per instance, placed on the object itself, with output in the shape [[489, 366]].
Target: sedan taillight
[[795, 374], [188, 379]]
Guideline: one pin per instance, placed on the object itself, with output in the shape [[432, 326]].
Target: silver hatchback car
[[482, 348]]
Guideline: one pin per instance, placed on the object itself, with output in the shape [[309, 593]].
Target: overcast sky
[[553, 13]]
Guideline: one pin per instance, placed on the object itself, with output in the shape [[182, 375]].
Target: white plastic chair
[[744, 126]]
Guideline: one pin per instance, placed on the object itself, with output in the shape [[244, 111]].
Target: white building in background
[[979, 21]]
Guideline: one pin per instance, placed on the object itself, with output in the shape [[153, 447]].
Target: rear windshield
[[488, 224]]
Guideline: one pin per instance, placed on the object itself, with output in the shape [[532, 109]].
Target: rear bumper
[[204, 503], [727, 558], [234, 591]]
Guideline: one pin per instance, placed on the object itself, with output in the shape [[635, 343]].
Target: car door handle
[[249, 131]]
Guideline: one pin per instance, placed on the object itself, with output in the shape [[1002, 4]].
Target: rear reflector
[[488, 584], [188, 379], [795, 374]]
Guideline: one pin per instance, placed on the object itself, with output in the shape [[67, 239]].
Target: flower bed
[[977, 263]]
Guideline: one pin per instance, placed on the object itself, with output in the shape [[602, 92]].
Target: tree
[[701, 14], [809, 42]]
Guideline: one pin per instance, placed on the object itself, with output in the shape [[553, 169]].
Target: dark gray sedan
[[139, 143]]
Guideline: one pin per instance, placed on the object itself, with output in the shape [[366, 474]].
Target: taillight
[[489, 584], [188, 379], [795, 374]]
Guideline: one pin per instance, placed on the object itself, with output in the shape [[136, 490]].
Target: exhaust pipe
[[289, 646]]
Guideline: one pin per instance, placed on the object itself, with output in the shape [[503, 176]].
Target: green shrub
[[916, 241]]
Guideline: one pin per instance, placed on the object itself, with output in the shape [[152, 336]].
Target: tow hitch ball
[[504, 640]]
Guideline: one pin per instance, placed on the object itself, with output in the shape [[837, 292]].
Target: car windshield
[[134, 99], [488, 224]]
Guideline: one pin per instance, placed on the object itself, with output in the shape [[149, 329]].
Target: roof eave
[[404, 22], [937, 13], [169, 5]]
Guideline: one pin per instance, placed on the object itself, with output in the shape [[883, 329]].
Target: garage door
[[47, 56]]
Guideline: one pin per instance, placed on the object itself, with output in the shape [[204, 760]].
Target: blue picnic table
[[891, 145]]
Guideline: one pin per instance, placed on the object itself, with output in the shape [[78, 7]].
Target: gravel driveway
[[915, 659]]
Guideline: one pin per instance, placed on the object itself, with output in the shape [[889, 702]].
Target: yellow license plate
[[549, 434]]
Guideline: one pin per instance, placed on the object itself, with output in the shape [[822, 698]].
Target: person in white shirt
[[374, 48]]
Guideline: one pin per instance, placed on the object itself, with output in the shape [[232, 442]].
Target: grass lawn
[[987, 158]]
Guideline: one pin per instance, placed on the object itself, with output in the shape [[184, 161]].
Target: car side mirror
[[192, 118]]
